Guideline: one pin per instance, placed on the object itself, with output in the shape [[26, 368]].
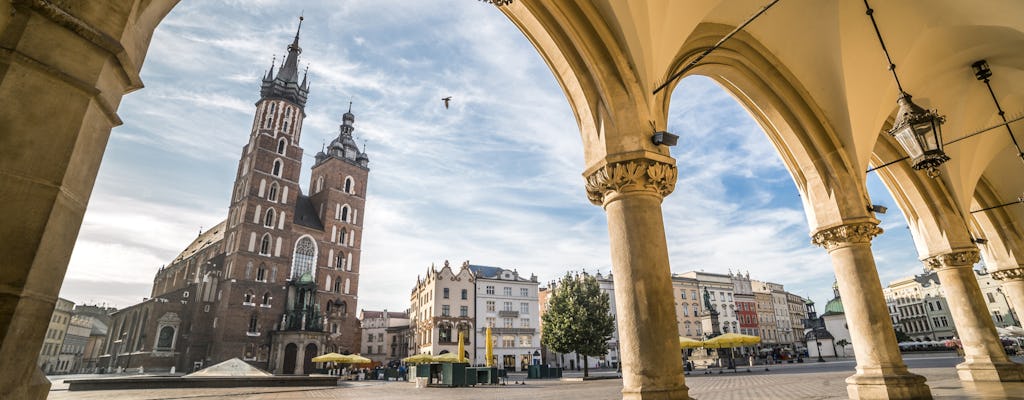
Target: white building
[[720, 291], [508, 303], [442, 305]]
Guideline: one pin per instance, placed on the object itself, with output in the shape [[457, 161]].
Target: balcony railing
[[508, 314]]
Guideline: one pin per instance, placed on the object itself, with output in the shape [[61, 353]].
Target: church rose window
[[305, 254]]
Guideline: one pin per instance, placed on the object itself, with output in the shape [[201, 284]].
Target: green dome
[[834, 306]]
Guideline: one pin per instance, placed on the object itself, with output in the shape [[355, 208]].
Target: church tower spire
[[285, 85]]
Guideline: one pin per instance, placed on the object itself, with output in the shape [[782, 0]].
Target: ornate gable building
[[276, 283]]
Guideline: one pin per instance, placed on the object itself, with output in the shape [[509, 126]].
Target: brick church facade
[[276, 282]]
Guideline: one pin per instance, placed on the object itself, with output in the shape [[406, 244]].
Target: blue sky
[[495, 179]]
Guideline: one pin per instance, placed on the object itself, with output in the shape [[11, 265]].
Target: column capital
[[1013, 274], [846, 234], [959, 258], [638, 171]]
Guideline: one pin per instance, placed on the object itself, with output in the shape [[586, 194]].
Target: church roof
[[211, 236], [818, 333], [305, 213], [834, 306]]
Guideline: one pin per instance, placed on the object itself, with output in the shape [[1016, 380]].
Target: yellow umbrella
[[462, 347], [356, 359], [489, 348], [419, 359], [731, 340], [687, 343], [447, 358], [330, 357]]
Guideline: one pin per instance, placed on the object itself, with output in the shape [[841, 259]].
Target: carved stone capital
[[843, 235], [955, 259], [1015, 274], [636, 175]]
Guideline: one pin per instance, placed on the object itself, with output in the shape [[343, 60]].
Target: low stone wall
[[165, 382]]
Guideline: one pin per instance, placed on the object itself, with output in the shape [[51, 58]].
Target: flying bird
[[446, 100]]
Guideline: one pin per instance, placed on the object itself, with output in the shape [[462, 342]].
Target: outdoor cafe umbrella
[[418, 359], [488, 348], [355, 359], [447, 358], [731, 340], [330, 357], [687, 343]]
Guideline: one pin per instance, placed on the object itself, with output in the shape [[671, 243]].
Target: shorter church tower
[[338, 192]]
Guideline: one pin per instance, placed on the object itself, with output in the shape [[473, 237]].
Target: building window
[[490, 305], [268, 220], [465, 294], [463, 311], [265, 245], [277, 168], [305, 256], [272, 193], [445, 311], [445, 333], [508, 341], [991, 298], [507, 306], [524, 322], [166, 338], [507, 322], [248, 297], [524, 308], [339, 261], [507, 291], [266, 299], [261, 273], [319, 183], [524, 292], [280, 146], [490, 290], [253, 324], [348, 185], [490, 321], [344, 214], [446, 293]]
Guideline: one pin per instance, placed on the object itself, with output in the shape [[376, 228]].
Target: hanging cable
[[693, 63]]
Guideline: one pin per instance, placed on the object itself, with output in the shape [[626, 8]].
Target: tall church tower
[[276, 283]]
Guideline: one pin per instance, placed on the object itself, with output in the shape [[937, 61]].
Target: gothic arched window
[[344, 213], [265, 245], [280, 146], [272, 192], [268, 220], [248, 297], [261, 273], [348, 184], [319, 183], [327, 283], [305, 256], [347, 285], [341, 236], [166, 338], [266, 299], [339, 261], [343, 308], [277, 168]]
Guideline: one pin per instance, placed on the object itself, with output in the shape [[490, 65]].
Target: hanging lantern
[[919, 132]]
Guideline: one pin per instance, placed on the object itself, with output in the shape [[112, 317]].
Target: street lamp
[[917, 130], [820, 359]]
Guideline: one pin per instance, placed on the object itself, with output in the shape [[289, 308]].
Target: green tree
[[578, 319], [902, 337]]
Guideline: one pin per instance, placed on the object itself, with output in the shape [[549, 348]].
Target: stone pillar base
[[37, 387], [990, 372], [895, 386], [674, 393]]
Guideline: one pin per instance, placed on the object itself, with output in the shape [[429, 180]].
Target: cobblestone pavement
[[806, 381]]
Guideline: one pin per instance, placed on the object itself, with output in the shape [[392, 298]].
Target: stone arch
[[831, 189]]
